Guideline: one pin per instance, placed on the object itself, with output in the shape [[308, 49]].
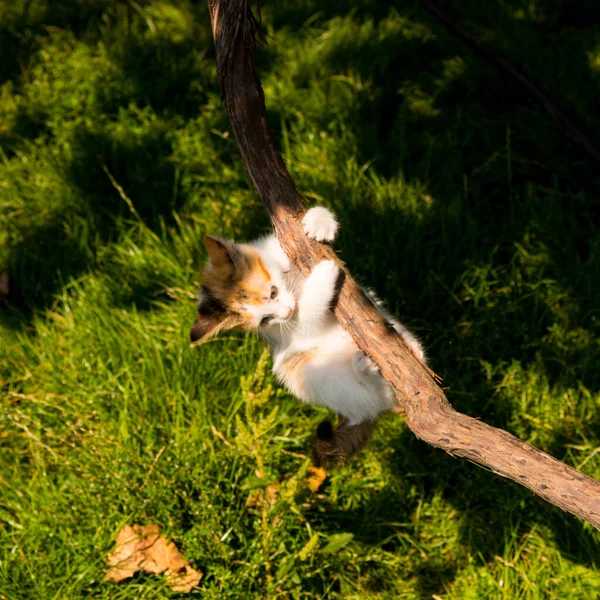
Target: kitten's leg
[[320, 224], [367, 370], [317, 294], [364, 366], [336, 446]]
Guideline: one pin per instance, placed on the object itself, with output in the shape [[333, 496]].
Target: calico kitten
[[256, 288]]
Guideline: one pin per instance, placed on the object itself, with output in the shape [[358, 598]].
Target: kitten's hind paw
[[326, 452], [320, 224], [363, 365], [335, 446]]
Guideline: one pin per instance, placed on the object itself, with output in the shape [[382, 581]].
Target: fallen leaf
[[159, 555], [185, 580], [127, 557], [316, 479], [143, 549]]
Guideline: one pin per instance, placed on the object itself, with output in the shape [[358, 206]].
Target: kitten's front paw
[[325, 273], [320, 224]]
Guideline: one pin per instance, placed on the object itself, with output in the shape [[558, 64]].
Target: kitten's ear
[[211, 318], [222, 253]]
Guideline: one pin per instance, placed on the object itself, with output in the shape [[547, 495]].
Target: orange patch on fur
[[234, 286], [255, 278], [291, 369]]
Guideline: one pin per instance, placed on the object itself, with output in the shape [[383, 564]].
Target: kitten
[[255, 287]]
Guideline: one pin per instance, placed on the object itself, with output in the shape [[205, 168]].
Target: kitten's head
[[239, 291]]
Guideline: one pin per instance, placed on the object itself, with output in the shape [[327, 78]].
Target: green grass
[[460, 202]]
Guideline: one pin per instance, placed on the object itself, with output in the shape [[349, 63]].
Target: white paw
[[320, 224], [325, 273], [363, 364]]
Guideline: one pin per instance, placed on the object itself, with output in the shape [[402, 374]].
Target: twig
[[120, 190], [220, 436]]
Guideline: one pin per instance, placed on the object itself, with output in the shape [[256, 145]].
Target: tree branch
[[428, 412]]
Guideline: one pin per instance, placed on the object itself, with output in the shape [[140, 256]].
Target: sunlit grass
[[460, 202]]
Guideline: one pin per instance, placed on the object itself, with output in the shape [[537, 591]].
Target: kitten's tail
[[336, 446]]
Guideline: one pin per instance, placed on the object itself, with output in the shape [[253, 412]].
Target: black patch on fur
[[339, 282], [210, 303], [211, 313], [325, 431]]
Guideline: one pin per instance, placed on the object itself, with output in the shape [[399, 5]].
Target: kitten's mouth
[[274, 319]]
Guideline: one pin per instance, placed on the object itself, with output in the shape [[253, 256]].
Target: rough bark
[[428, 412]]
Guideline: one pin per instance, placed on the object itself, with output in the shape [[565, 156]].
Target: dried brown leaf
[[158, 556], [184, 580], [127, 557], [143, 549]]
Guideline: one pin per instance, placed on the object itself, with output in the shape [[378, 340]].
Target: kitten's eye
[[274, 292], [265, 321]]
